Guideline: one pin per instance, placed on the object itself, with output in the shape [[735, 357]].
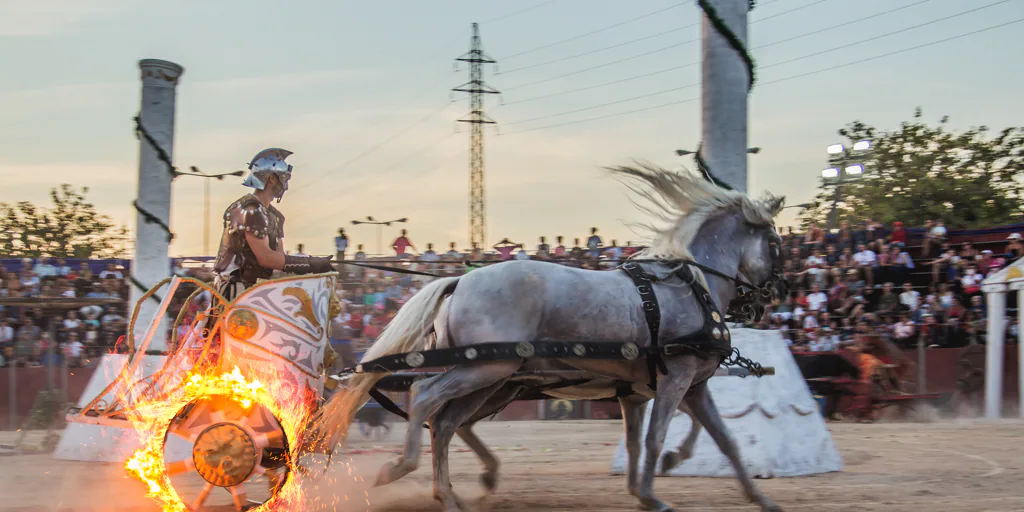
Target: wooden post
[[12, 396], [922, 378]]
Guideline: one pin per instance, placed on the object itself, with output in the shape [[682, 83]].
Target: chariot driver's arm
[[252, 246]]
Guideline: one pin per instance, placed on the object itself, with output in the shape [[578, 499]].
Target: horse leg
[[632, 419], [427, 396], [671, 389], [443, 427], [489, 478], [700, 402], [671, 460]]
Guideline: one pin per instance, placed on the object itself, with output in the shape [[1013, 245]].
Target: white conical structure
[[108, 440], [774, 420]]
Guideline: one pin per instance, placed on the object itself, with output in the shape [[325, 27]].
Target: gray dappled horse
[[722, 230]]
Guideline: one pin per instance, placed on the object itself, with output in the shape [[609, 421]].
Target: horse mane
[[685, 201]]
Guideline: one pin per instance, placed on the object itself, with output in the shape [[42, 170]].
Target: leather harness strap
[[649, 305], [712, 339]]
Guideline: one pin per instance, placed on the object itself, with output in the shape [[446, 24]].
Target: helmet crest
[[266, 162]]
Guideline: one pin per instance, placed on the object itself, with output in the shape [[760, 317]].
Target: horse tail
[[406, 332]]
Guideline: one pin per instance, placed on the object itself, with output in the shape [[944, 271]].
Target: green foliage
[[925, 172], [70, 228]]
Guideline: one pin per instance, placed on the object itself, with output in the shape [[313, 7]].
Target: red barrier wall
[[30, 382]]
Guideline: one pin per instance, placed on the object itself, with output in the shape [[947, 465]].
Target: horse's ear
[[774, 204]]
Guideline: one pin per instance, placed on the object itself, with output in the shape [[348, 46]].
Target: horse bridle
[[750, 301]]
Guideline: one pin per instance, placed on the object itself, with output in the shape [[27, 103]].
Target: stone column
[[726, 83], [1018, 285], [156, 117], [996, 302]]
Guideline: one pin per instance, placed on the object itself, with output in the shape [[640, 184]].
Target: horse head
[[721, 229]]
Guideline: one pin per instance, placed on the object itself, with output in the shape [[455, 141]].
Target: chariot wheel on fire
[[237, 388]]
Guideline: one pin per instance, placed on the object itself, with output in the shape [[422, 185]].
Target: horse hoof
[[656, 505], [489, 480], [384, 475], [669, 461]]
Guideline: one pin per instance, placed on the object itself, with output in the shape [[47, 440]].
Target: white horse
[[723, 231]]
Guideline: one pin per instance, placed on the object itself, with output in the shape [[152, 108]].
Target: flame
[[151, 417]]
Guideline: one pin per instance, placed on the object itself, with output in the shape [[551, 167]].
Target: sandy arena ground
[[936, 467]]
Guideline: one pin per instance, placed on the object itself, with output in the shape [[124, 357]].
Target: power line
[[625, 43], [592, 32], [619, 81], [606, 64], [617, 114], [792, 77], [354, 188], [637, 56], [521, 11], [783, 13], [690, 64], [918, 47], [376, 146], [905, 29], [840, 25], [422, 120], [658, 93]]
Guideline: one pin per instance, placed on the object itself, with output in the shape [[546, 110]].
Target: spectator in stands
[[614, 252], [452, 253], [817, 300], [576, 252], [401, 244], [429, 256], [1014, 248], [844, 237], [898, 236], [971, 281], [866, 261], [815, 235], [111, 272], [543, 250], [560, 248], [44, 269], [910, 298], [341, 244], [594, 243], [889, 303], [944, 267], [505, 247]]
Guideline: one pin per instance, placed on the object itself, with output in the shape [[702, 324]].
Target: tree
[[70, 228], [921, 172]]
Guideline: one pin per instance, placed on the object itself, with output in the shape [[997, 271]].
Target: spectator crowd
[[866, 279], [856, 279]]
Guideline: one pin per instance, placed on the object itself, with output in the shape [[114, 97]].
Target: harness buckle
[[649, 306], [643, 289]]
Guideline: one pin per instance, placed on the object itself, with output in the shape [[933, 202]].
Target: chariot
[[228, 399]]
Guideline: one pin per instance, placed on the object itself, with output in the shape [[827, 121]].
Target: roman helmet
[[266, 162]]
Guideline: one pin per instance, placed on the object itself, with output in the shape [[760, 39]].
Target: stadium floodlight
[[862, 145], [831, 172], [835, 149], [855, 169]]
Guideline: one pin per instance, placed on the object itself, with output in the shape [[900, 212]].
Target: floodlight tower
[[846, 166]]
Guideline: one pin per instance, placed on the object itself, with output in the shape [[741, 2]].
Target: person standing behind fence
[[341, 244], [401, 244], [594, 244]]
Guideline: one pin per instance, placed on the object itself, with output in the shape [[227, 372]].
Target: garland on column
[[161, 154], [741, 49]]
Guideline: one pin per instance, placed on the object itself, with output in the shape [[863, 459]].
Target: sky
[[360, 92]]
